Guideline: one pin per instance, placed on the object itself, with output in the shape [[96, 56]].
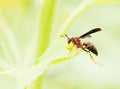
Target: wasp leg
[[74, 52], [94, 59], [85, 50], [77, 51], [70, 53]]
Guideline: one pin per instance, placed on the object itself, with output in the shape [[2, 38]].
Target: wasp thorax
[[76, 41]]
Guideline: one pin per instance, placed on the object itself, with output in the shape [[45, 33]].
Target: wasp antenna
[[61, 35], [66, 36]]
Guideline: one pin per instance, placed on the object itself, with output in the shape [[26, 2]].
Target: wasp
[[86, 46]]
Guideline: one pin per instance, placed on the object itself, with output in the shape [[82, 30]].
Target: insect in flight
[[86, 46]]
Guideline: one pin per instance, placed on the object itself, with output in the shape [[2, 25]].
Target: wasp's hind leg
[[96, 62]]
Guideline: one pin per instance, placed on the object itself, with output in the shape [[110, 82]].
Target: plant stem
[[80, 9], [46, 17], [37, 84], [12, 42]]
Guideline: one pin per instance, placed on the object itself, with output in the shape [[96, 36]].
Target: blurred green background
[[79, 72]]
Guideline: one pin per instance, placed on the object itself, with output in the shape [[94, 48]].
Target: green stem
[[12, 42], [79, 10], [46, 17], [37, 84]]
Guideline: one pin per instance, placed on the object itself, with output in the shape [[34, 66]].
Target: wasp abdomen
[[91, 47]]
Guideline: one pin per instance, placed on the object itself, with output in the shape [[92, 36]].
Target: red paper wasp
[[86, 46]]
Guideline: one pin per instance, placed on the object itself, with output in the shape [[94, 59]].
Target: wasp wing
[[87, 34]]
